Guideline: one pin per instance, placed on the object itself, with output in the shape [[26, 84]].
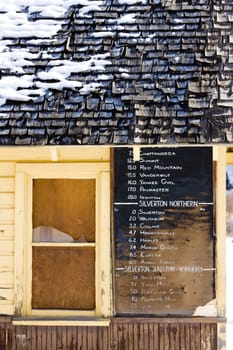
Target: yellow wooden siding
[[55, 153], [7, 168], [7, 309], [7, 214], [6, 294], [221, 230], [6, 232], [7, 279], [82, 170], [6, 299], [7, 200], [9, 157], [7, 184], [6, 247]]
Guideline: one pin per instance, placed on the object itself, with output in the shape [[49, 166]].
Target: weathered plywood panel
[[152, 334], [53, 269], [163, 221], [67, 205]]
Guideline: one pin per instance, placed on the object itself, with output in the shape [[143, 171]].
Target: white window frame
[[25, 173]]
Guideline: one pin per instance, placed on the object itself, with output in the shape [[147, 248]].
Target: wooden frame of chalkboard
[[164, 247]]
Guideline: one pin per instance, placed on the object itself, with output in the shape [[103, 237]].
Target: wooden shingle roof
[[119, 72]]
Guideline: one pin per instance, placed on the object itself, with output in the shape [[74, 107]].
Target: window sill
[[61, 321]]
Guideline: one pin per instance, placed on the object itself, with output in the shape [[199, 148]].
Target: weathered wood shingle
[[143, 72]]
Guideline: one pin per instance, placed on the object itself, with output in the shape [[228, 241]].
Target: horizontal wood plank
[[6, 262], [7, 168], [6, 232], [7, 309], [7, 200], [7, 247], [56, 153], [7, 184], [66, 321], [6, 295], [7, 215], [6, 278]]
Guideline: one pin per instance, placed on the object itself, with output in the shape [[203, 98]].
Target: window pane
[[63, 278], [64, 210]]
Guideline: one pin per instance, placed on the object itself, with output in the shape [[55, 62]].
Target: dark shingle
[[168, 78]]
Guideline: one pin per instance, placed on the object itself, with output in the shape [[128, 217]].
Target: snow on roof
[[131, 2], [16, 23], [115, 71]]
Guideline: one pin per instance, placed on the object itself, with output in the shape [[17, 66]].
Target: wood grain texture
[[67, 205], [63, 278], [122, 334]]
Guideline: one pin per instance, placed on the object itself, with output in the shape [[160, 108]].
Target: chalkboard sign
[[163, 223]]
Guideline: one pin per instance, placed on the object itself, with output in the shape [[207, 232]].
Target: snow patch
[[63, 69], [103, 34], [89, 8], [129, 35], [132, 2], [126, 19], [16, 24], [90, 87], [125, 75]]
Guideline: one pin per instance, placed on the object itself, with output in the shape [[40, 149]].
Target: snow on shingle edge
[[15, 24]]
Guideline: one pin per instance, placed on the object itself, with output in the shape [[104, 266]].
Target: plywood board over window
[[63, 211], [63, 278], [67, 205], [63, 215]]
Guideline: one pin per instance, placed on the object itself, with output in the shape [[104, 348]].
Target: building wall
[[7, 194], [121, 334], [209, 334], [8, 159]]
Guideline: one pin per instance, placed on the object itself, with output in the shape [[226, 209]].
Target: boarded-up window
[[63, 256]]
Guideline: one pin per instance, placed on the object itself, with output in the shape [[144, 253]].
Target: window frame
[[25, 173]]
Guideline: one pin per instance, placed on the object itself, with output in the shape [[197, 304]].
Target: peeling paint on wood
[[221, 330], [208, 310], [122, 334]]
